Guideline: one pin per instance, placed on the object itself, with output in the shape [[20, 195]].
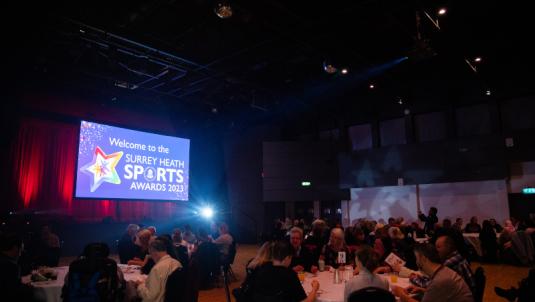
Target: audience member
[[152, 230], [402, 247], [458, 225], [276, 282], [126, 246], [302, 259], [367, 261], [445, 285], [417, 231], [188, 235], [336, 244], [525, 291], [496, 226], [142, 248], [170, 249], [11, 287], [473, 226], [153, 289], [509, 226], [50, 245], [382, 243], [94, 276], [450, 257], [430, 220], [262, 257], [177, 238], [489, 242], [225, 240]]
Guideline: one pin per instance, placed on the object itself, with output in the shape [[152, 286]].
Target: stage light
[[223, 10], [488, 92], [477, 59], [207, 212], [400, 101], [442, 11], [344, 71], [372, 86]]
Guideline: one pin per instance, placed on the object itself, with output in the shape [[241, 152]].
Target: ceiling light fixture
[[329, 68], [223, 10], [477, 59], [442, 11], [372, 86], [344, 71]]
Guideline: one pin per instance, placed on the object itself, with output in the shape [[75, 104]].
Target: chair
[[229, 260], [176, 285], [480, 280], [374, 294]]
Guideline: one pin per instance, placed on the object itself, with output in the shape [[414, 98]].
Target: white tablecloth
[[50, 291], [331, 292]]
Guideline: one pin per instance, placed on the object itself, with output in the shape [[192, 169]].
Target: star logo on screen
[[102, 168]]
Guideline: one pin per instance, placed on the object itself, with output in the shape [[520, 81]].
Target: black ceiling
[[266, 60]]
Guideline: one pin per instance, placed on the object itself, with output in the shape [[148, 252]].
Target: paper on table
[[394, 261]]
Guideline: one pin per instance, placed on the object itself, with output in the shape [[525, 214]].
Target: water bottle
[[337, 276], [321, 265]]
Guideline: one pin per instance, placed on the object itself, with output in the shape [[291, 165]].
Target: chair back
[[374, 294], [175, 288], [481, 280]]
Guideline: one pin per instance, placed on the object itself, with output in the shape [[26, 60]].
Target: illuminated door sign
[[528, 191], [306, 183]]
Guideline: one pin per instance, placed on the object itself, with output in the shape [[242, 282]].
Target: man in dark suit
[[302, 259]]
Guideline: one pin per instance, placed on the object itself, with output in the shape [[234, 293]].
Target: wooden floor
[[497, 275]]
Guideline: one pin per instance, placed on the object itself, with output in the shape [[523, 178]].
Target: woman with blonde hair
[[263, 256], [336, 244], [142, 244]]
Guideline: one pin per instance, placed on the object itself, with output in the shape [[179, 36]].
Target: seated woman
[[367, 261], [277, 282], [336, 244], [263, 256], [382, 243], [142, 248]]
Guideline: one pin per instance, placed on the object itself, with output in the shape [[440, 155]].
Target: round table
[[50, 291], [331, 292]]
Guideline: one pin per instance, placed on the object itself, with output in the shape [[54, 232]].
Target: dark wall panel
[[287, 164]]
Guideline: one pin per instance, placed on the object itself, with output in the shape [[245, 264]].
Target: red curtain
[[44, 163]]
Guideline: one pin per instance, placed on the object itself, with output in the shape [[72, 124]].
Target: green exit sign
[[528, 191], [306, 183]]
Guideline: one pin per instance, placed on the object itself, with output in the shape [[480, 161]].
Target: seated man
[[276, 282], [225, 240], [12, 289], [153, 289], [473, 226], [445, 284], [450, 257], [302, 257]]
